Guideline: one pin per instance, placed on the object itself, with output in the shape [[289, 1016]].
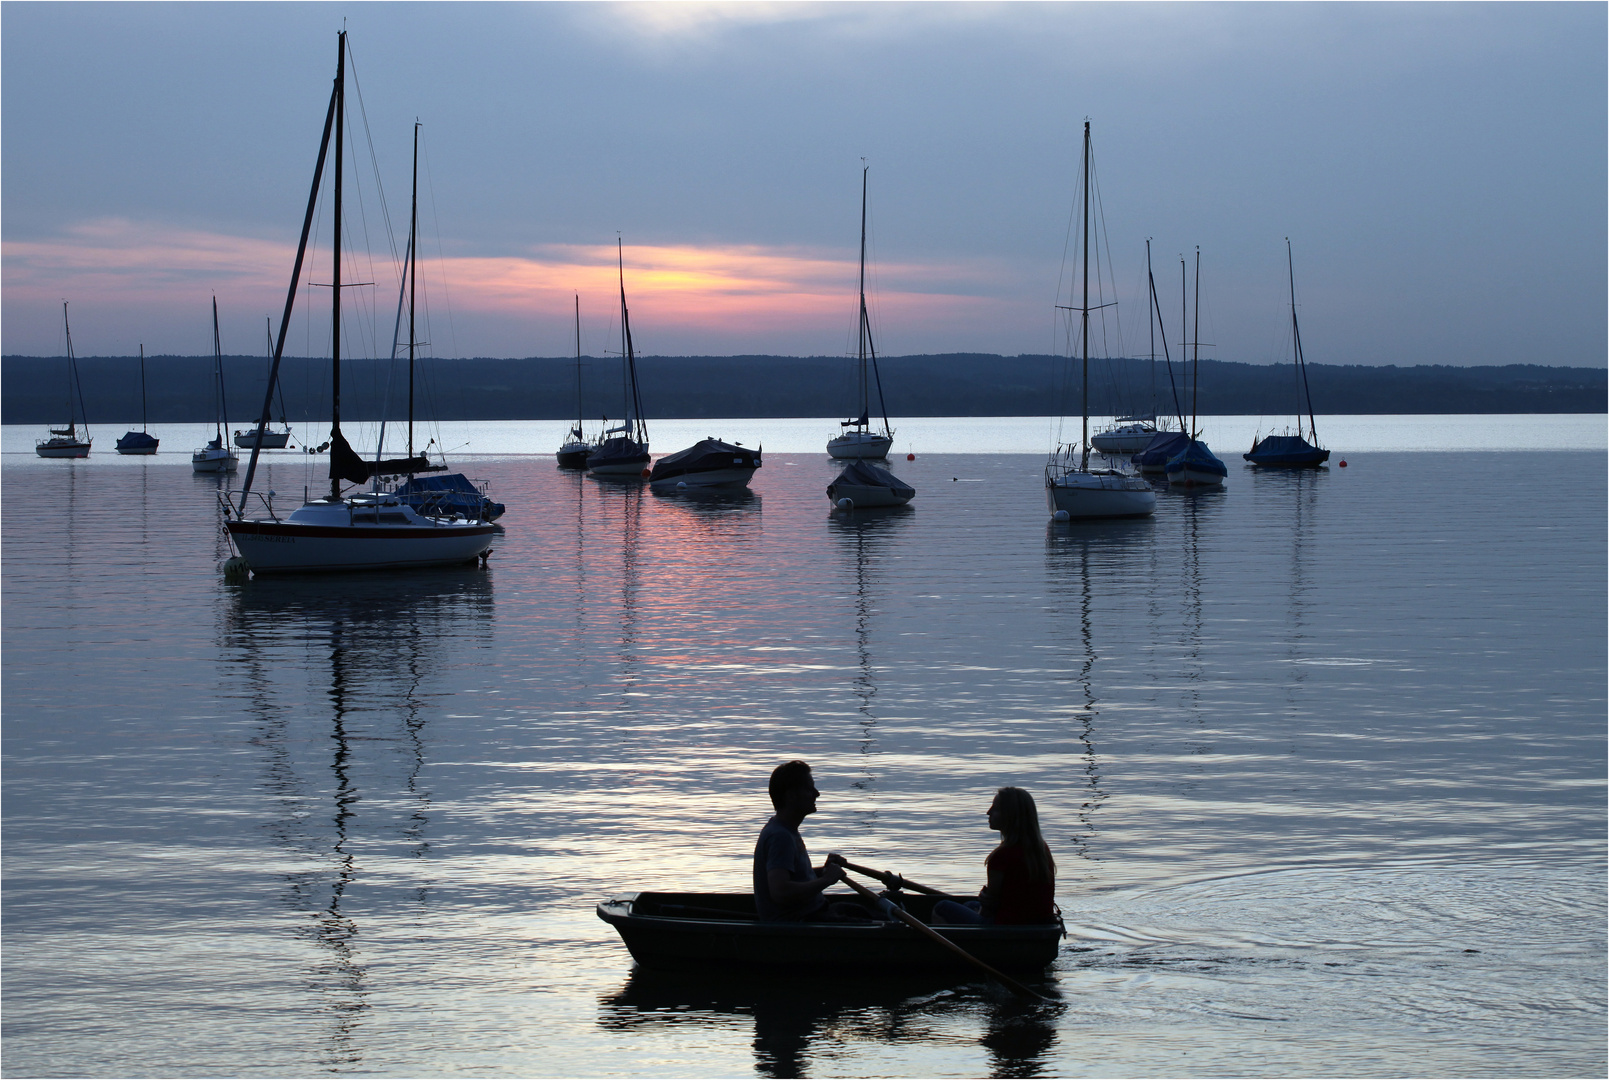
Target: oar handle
[[905, 882], [918, 925]]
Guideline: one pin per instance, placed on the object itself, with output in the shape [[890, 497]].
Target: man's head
[[791, 783]]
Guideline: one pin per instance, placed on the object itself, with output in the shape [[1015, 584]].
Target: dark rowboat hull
[[704, 931]]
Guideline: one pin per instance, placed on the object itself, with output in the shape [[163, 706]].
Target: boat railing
[[226, 502]]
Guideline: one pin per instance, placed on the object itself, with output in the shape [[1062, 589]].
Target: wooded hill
[[33, 390]]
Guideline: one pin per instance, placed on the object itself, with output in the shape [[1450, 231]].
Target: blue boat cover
[[1197, 456], [1162, 446], [450, 492], [865, 474], [1286, 450], [135, 439]]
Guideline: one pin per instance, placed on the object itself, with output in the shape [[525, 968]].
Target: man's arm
[[787, 893]]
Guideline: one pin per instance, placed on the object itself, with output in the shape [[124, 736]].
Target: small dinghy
[[863, 485], [708, 463], [701, 931]]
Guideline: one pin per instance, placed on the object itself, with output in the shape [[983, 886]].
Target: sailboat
[[141, 441], [573, 454], [64, 442], [1152, 459], [858, 440], [1195, 465], [369, 531], [216, 457], [1131, 434], [267, 439], [449, 495], [623, 450], [1072, 489], [1290, 450]]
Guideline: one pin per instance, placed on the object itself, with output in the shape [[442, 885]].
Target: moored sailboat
[[1195, 465], [369, 531], [622, 451], [64, 442], [141, 441], [1291, 450], [573, 454], [216, 456], [268, 438], [1072, 489], [859, 439]]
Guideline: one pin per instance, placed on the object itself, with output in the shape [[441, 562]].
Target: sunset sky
[[1440, 170]]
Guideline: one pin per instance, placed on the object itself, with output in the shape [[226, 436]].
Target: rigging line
[[446, 296], [374, 161]]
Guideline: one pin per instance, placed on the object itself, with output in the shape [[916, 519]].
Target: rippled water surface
[[1321, 759]]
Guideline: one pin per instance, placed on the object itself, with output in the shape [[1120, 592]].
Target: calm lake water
[[1321, 759]]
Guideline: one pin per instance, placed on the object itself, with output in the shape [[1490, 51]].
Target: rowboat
[[702, 931]]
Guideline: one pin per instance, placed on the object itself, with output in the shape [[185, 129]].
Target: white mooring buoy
[[846, 504], [1062, 515]]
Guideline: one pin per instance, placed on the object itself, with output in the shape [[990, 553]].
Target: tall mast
[[1184, 332], [290, 293], [1084, 315], [221, 403], [578, 363], [67, 328], [1301, 361], [143, 420], [1150, 324], [413, 278], [1195, 351], [634, 398], [335, 318], [865, 401]]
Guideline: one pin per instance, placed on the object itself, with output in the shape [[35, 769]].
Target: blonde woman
[[1021, 873]]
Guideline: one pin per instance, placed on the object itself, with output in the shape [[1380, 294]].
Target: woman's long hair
[[1019, 827]]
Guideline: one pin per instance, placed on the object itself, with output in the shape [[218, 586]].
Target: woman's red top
[[1020, 899]]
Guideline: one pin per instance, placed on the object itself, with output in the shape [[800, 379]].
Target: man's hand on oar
[[893, 881]]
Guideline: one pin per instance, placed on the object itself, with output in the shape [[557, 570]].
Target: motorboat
[[64, 442], [1074, 491], [720, 931], [857, 439], [708, 463], [141, 441], [367, 531], [862, 486], [1291, 450]]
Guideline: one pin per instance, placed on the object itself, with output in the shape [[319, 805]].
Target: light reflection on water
[[1320, 758]]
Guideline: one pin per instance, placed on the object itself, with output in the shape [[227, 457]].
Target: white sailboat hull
[[1188, 477], [348, 535], [214, 461], [865, 497], [62, 448], [1129, 439], [271, 440], [1085, 496], [860, 444]]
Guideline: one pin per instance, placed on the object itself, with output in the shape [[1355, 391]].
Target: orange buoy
[[910, 457], [1343, 463], [646, 473]]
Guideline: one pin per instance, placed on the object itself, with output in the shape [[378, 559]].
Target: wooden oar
[[904, 883], [921, 927]]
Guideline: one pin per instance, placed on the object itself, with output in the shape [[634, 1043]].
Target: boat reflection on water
[[342, 762], [797, 1022], [863, 540], [1085, 560]]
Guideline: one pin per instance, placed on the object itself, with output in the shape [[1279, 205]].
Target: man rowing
[[786, 887]]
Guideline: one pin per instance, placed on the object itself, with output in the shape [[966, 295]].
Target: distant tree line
[[33, 390]]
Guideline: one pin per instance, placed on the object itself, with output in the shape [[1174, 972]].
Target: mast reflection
[[1085, 560], [862, 539], [331, 751]]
